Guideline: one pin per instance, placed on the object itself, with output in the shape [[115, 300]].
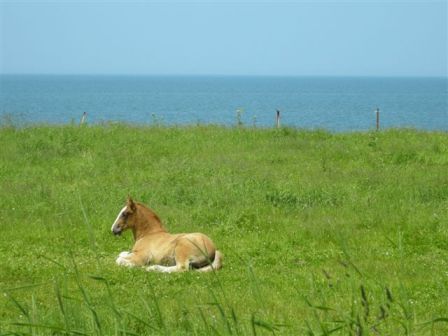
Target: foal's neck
[[148, 223]]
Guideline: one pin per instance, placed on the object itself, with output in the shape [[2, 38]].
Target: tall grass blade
[[86, 298], [18, 305], [50, 327], [223, 315], [61, 306], [11, 289]]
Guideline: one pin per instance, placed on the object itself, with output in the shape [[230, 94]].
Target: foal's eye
[[124, 214]]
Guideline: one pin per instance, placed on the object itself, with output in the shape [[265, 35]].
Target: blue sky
[[349, 38]]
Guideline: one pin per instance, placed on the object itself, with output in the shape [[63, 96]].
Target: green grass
[[343, 234]]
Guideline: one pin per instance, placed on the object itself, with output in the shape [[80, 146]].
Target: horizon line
[[223, 75]]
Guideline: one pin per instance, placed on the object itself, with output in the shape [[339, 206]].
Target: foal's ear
[[130, 204]]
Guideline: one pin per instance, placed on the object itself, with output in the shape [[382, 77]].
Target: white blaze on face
[[118, 217]]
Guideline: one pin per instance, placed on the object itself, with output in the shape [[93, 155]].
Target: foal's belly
[[161, 255], [165, 261]]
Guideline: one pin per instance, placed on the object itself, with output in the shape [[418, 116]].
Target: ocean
[[331, 103]]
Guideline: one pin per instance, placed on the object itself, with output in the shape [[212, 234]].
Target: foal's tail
[[215, 265], [217, 262]]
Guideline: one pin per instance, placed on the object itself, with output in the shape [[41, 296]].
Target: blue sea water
[[333, 103]]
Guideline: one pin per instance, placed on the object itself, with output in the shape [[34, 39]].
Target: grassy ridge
[[322, 233]]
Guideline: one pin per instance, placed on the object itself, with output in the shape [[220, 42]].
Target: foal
[[164, 252]]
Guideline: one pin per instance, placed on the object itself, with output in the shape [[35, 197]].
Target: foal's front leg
[[129, 259], [124, 259]]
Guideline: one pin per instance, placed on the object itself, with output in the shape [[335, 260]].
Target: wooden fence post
[[377, 119], [83, 118]]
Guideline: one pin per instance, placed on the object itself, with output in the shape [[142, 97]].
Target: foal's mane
[[150, 216]]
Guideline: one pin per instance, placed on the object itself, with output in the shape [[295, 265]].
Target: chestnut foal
[[164, 252]]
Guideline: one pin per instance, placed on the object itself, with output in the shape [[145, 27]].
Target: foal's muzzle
[[117, 231]]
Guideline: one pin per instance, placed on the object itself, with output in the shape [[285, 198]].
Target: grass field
[[343, 234]]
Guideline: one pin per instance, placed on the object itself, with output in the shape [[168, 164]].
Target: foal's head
[[138, 218], [126, 218]]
